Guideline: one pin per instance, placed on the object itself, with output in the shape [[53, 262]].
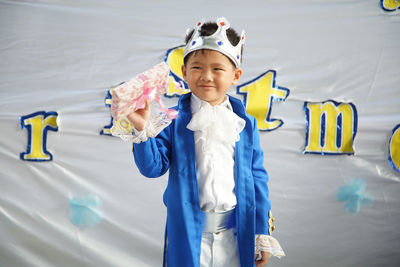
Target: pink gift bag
[[133, 94]]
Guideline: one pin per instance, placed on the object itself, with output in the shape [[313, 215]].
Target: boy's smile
[[209, 75]]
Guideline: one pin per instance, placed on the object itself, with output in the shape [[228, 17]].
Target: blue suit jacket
[[174, 150]]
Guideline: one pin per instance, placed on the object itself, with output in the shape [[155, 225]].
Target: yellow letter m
[[331, 127]]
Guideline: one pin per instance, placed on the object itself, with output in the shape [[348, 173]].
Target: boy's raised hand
[[263, 261], [139, 117]]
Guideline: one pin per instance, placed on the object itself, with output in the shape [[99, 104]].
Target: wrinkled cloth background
[[63, 56]]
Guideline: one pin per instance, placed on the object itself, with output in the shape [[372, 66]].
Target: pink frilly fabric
[[133, 95]]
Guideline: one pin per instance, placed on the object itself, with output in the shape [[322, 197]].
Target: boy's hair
[[208, 29]]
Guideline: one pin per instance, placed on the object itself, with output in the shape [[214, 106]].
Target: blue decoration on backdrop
[[354, 195], [85, 211]]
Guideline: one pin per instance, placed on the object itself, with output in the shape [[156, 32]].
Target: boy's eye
[[218, 69]]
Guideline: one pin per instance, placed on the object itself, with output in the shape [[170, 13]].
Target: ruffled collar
[[215, 123]]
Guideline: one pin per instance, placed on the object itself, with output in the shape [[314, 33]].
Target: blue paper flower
[[85, 211], [354, 195]]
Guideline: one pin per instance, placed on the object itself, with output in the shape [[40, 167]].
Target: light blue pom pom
[[85, 211], [354, 195]]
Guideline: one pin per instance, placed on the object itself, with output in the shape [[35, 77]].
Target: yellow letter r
[[37, 125]]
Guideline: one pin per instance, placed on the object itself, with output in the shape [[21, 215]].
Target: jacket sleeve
[[152, 157], [260, 175]]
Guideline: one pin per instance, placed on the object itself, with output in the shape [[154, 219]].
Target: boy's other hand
[[263, 261], [139, 117]]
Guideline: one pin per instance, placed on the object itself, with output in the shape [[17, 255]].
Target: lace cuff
[[124, 129], [269, 244]]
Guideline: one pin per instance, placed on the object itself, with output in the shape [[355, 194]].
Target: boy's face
[[209, 75]]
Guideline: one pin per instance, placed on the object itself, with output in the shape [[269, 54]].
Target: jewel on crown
[[217, 41]]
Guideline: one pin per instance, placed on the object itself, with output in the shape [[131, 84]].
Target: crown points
[[217, 41]]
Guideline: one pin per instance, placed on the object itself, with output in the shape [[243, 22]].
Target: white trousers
[[219, 250]]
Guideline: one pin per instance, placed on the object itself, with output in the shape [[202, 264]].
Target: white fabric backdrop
[[64, 55]]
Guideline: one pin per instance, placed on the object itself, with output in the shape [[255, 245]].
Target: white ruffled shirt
[[216, 130]]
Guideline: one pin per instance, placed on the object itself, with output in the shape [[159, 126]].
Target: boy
[[217, 194]]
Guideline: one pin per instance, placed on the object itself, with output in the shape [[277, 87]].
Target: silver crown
[[218, 41]]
